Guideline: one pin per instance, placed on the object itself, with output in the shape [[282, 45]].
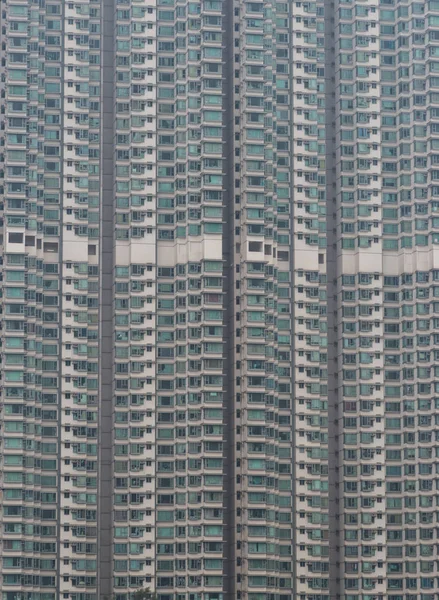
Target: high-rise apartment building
[[220, 299]]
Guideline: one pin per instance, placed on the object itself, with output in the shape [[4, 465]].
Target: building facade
[[220, 325]]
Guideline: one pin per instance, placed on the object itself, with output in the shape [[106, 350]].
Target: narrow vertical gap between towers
[[105, 475], [331, 274], [229, 557]]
